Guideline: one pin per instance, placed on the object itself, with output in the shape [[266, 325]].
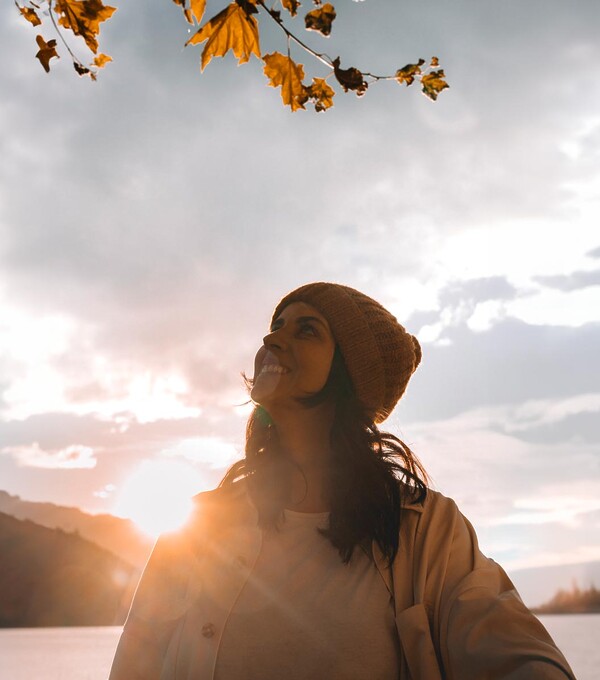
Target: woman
[[323, 554]]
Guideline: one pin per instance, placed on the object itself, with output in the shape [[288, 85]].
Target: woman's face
[[295, 358]]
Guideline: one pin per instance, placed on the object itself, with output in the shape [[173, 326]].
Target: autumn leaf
[[434, 62], [197, 8], [350, 78], [433, 83], [101, 60], [291, 6], [320, 19], [187, 13], [30, 15], [231, 29], [81, 69], [282, 71], [46, 52], [407, 73], [83, 17], [321, 94]]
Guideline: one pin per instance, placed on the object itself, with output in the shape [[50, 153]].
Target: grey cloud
[[573, 281], [579, 427], [595, 253], [509, 363], [418, 319], [55, 431], [475, 291]]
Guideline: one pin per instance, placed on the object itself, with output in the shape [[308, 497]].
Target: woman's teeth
[[273, 368]]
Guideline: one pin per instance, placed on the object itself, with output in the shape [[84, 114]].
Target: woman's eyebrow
[[279, 321], [307, 319]]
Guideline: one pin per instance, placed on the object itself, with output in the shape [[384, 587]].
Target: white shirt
[[304, 614]]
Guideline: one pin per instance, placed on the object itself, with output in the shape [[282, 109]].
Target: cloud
[[56, 431], [213, 452], [508, 363], [563, 509], [574, 281], [71, 457], [477, 290], [517, 493]]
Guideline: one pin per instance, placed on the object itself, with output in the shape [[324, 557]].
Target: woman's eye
[[307, 328]]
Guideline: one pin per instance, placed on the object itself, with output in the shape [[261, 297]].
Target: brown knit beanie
[[379, 354]]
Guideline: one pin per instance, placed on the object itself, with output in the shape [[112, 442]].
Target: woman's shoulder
[[426, 501], [221, 495], [229, 503]]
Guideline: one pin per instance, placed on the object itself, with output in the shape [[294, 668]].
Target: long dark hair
[[371, 471]]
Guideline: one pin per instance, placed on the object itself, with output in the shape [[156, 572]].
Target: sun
[[157, 496]]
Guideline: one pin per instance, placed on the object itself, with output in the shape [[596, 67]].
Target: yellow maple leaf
[[46, 52], [407, 73], [231, 29], [83, 17], [197, 8], [282, 71], [320, 19], [321, 93], [433, 83], [30, 15], [101, 60], [291, 6]]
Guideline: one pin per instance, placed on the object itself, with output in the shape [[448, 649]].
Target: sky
[[150, 221]]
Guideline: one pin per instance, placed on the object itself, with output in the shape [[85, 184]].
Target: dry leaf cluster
[[235, 28]]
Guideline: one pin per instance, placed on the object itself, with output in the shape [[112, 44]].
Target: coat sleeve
[[160, 601], [485, 631]]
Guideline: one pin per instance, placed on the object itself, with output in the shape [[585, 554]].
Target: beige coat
[[457, 613]]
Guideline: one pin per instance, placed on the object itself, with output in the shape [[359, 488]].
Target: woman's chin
[[261, 393]]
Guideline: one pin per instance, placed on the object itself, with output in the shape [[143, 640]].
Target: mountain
[[539, 584], [52, 578], [120, 536]]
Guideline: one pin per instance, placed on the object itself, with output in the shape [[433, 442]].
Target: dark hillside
[[120, 536], [52, 578]]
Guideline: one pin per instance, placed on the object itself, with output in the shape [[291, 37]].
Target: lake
[[86, 653]]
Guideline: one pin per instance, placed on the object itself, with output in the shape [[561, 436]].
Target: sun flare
[[157, 496]]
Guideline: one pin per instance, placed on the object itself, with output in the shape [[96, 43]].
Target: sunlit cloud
[[536, 412], [144, 396], [28, 346], [213, 452], [106, 491], [556, 307], [575, 555], [71, 457], [559, 510], [479, 445], [49, 365]]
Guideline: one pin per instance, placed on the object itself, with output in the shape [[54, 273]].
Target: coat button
[[208, 630]]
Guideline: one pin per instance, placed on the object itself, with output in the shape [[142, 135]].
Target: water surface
[[86, 653]]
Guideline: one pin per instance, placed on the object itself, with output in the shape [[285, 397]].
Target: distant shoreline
[[574, 601]]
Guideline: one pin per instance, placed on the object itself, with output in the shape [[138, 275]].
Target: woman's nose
[[274, 339]]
